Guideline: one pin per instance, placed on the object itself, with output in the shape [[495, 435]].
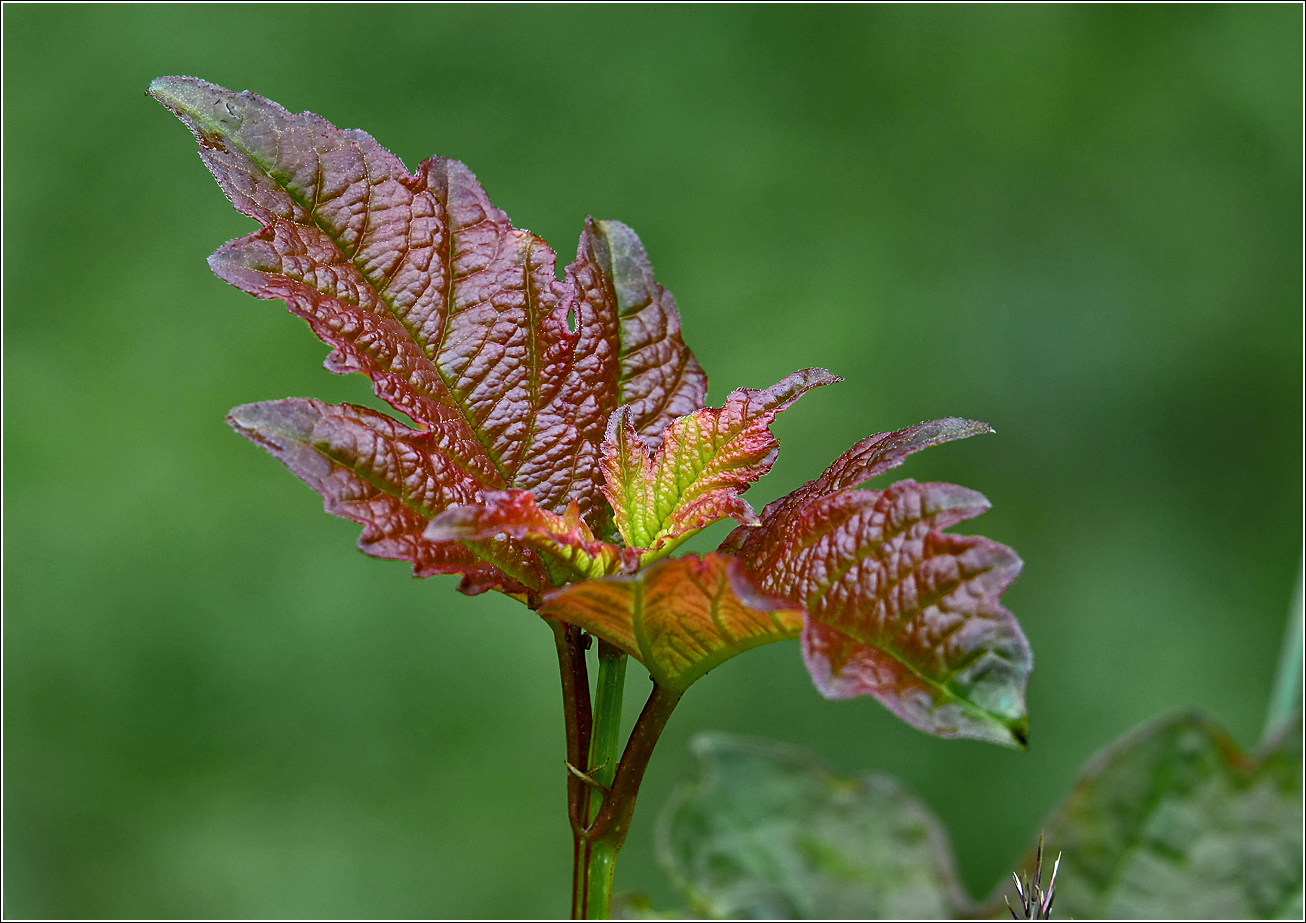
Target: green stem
[[613, 821], [1285, 699], [600, 824], [597, 859], [607, 722], [608, 832]]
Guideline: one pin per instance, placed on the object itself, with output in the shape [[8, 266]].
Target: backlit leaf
[[705, 461], [679, 617]]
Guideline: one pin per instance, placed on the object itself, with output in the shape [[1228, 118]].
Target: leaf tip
[[826, 377], [291, 417], [1020, 734], [177, 93]]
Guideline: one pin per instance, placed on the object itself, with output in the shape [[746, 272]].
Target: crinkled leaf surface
[[770, 832], [539, 407], [391, 479], [679, 617], [564, 544], [705, 461], [896, 608], [873, 456], [1174, 822], [419, 282]]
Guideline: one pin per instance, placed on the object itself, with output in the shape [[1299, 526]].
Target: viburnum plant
[[560, 452]]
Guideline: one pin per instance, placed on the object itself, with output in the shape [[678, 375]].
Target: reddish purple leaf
[[391, 480], [873, 455], [548, 416], [564, 544], [705, 461], [897, 609], [419, 282], [659, 377]]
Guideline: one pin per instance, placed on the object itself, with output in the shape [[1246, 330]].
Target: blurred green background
[[1081, 224]]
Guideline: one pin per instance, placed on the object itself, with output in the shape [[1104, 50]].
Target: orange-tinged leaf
[[705, 461], [679, 617]]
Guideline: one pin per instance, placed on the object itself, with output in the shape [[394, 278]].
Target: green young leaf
[[1175, 822], [770, 832], [679, 617], [705, 461]]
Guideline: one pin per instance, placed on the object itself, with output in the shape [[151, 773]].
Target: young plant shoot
[[559, 451]]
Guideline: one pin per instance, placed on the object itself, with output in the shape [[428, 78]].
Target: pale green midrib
[[641, 634], [714, 612], [354, 466], [948, 691], [303, 203], [685, 493], [630, 483]]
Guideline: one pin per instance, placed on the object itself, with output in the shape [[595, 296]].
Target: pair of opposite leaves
[[553, 418]]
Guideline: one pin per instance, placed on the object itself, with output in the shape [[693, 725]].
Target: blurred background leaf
[[1172, 822], [1175, 822], [1081, 224], [770, 833]]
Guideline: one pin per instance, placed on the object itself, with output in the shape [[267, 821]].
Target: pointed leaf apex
[[783, 393], [1020, 733], [619, 420], [196, 102], [174, 92]]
